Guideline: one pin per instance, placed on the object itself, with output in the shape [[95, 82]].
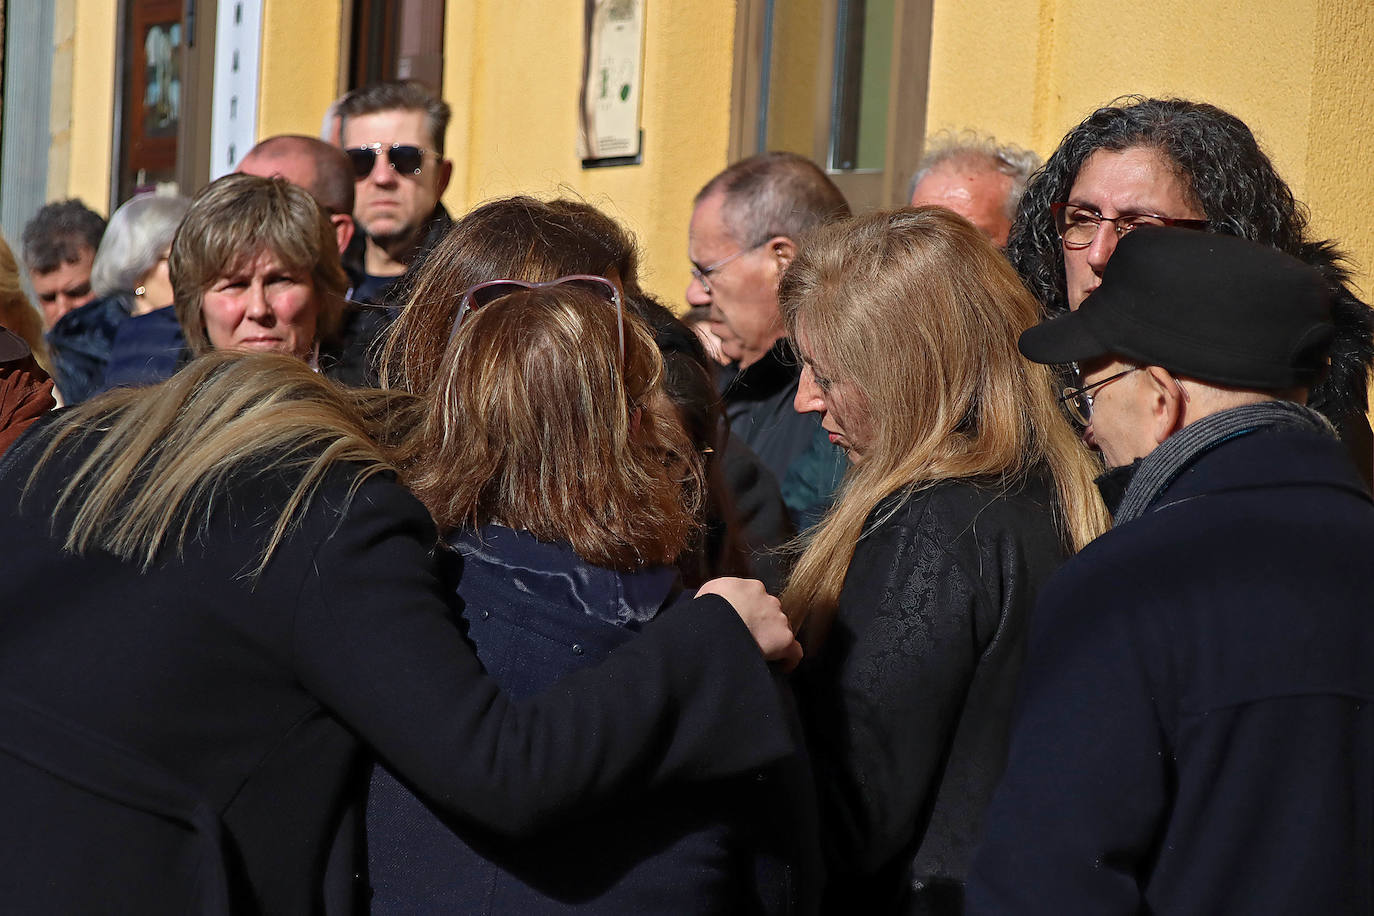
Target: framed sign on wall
[[612, 79]]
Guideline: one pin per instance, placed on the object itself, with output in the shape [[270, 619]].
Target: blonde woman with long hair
[[966, 489]]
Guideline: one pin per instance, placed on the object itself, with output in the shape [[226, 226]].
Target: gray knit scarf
[[1161, 467]]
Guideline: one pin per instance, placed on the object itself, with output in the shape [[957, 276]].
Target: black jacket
[[1196, 733], [758, 407], [390, 292], [907, 704], [80, 344], [244, 707]]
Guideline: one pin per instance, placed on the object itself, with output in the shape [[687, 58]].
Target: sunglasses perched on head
[[475, 297], [403, 157]]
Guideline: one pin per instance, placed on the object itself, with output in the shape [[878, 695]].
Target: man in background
[[744, 232], [320, 169], [59, 246], [975, 177], [393, 134]]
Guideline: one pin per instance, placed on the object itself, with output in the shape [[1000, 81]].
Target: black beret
[[1211, 307]]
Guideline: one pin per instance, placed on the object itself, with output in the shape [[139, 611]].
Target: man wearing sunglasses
[[393, 134], [1196, 732]]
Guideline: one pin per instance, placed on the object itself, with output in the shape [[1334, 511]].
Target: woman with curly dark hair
[[1146, 161]]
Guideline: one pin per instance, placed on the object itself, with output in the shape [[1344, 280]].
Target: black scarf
[[1151, 475]]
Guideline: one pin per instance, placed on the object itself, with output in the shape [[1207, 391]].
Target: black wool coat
[[1196, 734], [180, 737], [907, 704]]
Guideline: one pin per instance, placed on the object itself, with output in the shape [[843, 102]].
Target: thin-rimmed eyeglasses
[[1077, 226], [703, 274]]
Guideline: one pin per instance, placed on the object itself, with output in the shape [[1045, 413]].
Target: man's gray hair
[[980, 151], [774, 194], [139, 235]]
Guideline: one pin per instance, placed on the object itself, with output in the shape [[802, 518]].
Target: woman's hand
[[762, 614]]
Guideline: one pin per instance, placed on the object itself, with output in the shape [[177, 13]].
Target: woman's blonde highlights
[[915, 309], [162, 456]]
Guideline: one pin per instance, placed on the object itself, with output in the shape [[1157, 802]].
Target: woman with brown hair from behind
[[523, 238], [966, 488], [566, 492]]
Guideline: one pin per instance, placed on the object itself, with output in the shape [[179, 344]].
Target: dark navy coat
[[1196, 731], [80, 343], [537, 612]]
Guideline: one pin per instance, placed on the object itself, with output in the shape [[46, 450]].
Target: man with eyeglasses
[[393, 134], [743, 234], [1195, 731]]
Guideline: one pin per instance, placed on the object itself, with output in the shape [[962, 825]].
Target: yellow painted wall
[[298, 70], [92, 102], [514, 102], [1299, 72], [514, 97]]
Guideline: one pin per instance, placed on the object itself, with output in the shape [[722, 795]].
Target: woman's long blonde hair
[[917, 313], [163, 455]]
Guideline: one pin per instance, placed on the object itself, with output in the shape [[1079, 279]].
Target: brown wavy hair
[[533, 423], [919, 313], [16, 312], [513, 238]]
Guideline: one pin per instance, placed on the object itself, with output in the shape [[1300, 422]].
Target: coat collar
[[1266, 459], [774, 371], [553, 572]]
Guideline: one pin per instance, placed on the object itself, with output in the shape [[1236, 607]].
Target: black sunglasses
[[403, 157]]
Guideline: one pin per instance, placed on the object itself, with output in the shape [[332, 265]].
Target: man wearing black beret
[[1196, 729]]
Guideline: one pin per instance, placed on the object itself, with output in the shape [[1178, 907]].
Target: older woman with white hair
[[129, 277], [133, 254]]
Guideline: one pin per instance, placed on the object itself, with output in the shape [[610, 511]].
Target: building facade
[[104, 96]]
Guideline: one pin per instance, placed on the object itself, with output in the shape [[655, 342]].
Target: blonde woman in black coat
[[966, 489]]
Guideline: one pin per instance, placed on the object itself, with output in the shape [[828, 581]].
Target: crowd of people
[[1001, 553]]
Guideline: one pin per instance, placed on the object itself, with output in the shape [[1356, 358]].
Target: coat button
[[486, 615], [577, 650]]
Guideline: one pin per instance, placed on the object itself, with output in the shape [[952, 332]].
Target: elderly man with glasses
[[393, 134], [1142, 161], [743, 234], [1195, 731]]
